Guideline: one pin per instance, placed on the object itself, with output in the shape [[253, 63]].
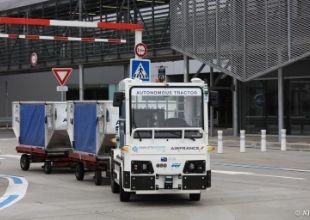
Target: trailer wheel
[[47, 167], [25, 162], [79, 171], [194, 197], [98, 177], [123, 195]]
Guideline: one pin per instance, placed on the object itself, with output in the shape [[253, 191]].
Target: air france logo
[[135, 149], [184, 148], [175, 165]]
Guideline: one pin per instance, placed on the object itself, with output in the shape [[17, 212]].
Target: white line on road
[[7, 139], [254, 166], [254, 174], [10, 156], [15, 192]]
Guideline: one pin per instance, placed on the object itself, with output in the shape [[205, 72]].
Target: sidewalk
[[253, 141]]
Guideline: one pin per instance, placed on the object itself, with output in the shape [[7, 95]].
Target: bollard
[[220, 142], [242, 141], [263, 141], [283, 139]]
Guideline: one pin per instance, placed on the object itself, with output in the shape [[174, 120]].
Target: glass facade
[[259, 104], [297, 95]]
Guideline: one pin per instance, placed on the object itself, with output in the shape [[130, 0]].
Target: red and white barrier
[[64, 23], [62, 38]]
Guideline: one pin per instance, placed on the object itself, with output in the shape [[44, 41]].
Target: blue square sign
[[141, 69]]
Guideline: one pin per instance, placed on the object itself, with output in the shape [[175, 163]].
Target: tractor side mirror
[[118, 99]]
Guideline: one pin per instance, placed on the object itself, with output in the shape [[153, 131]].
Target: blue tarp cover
[[85, 122], [32, 121]]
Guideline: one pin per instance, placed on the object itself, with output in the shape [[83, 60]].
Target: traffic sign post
[[140, 50], [34, 59], [62, 75], [141, 69]]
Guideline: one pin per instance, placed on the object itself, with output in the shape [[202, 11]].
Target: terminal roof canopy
[[11, 4]]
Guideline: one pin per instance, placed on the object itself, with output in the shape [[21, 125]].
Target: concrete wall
[[42, 86]]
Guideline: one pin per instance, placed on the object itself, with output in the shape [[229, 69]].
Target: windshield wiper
[[161, 134], [192, 138]]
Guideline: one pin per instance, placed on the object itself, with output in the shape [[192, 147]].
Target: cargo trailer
[[41, 130], [92, 132]]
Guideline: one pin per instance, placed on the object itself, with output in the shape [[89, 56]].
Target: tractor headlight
[[195, 166], [141, 167]]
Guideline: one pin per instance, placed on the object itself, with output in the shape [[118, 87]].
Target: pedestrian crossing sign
[[140, 68]]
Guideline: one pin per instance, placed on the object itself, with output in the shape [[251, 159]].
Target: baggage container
[[92, 129], [41, 129]]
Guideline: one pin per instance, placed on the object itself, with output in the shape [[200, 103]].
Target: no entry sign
[[62, 75]]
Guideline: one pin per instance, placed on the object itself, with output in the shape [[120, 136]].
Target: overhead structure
[[87, 19], [64, 23], [63, 38], [244, 39]]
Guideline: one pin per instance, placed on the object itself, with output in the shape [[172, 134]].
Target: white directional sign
[[62, 88], [141, 69]]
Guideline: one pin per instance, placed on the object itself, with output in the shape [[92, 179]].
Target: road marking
[[254, 174], [11, 156], [15, 192], [261, 167], [7, 139]]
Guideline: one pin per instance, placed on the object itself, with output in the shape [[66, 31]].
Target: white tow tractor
[[162, 141]]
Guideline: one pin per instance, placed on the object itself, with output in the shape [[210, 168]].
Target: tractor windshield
[[168, 108]]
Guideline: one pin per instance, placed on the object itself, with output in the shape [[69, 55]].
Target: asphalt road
[[252, 185], [3, 185]]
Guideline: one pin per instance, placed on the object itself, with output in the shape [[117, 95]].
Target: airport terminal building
[[255, 53]]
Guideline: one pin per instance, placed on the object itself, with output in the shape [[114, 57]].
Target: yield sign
[[62, 74]]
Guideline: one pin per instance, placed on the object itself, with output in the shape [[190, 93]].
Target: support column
[[280, 102], [81, 68], [81, 82], [186, 68], [138, 40], [235, 107], [211, 107]]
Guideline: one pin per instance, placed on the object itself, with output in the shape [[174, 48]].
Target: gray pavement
[[252, 185], [3, 185]]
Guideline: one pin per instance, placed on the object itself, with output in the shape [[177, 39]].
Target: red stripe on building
[[13, 36], [88, 39], [114, 41], [119, 26], [32, 37], [61, 38], [25, 21]]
